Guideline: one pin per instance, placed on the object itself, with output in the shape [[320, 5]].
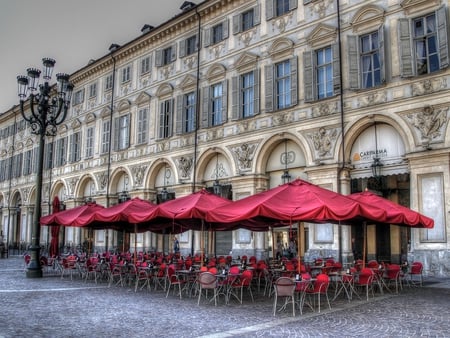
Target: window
[[145, 65], [16, 168], [366, 60], [165, 119], [166, 56], [78, 97], [188, 46], [186, 113], [245, 95], [321, 69], [246, 20], [61, 151], [423, 44], [90, 142], [281, 85], [75, 147], [28, 163], [106, 136], [108, 82], [214, 110], [93, 90], [275, 8], [126, 74], [216, 33], [142, 126], [122, 132], [48, 156]]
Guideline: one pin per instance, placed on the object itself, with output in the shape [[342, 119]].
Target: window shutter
[[206, 108], [306, 1], [173, 51], [161, 121], [353, 61], [171, 104], [256, 88], [442, 37], [381, 53], [197, 42], [237, 19], [235, 97], [179, 116], [294, 80], [116, 133], [406, 57], [159, 58], [226, 29], [336, 69], [308, 69], [224, 101], [182, 48], [207, 37], [72, 148], [128, 135], [293, 4], [257, 15], [268, 74], [78, 154], [269, 9]]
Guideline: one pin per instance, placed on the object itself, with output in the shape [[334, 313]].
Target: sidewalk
[[55, 307]]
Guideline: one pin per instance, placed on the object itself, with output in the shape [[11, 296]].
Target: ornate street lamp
[[48, 109]]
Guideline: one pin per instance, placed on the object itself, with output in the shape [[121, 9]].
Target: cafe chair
[[207, 281], [143, 277], [364, 280], [174, 280], [415, 276], [236, 288], [284, 287], [320, 289], [392, 276]]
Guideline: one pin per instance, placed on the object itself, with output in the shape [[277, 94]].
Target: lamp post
[[47, 109]]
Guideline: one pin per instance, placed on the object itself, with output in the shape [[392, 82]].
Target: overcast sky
[[70, 31]]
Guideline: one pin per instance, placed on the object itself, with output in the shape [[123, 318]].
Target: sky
[[71, 32]]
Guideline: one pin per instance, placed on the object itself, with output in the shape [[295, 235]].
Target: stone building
[[347, 94]]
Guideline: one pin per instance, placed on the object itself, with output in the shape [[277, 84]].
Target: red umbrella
[[395, 213], [292, 202], [76, 217], [181, 214]]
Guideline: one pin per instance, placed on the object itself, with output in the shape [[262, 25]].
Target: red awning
[[77, 217]]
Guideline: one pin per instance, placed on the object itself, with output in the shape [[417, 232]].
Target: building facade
[[347, 94]]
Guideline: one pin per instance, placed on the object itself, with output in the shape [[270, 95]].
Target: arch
[[124, 105], [281, 47], [205, 166], [217, 70], [164, 89], [143, 98], [118, 178], [82, 183], [368, 17], [155, 176], [189, 81], [322, 35], [56, 190]]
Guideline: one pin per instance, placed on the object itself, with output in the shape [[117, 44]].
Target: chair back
[[416, 268], [234, 270], [321, 283], [393, 271], [284, 286], [246, 277], [365, 276], [207, 280]]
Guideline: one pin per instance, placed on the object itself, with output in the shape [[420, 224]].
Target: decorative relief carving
[[372, 99], [281, 119], [102, 179], [215, 134], [429, 123], [184, 165], [247, 36], [428, 86], [166, 71], [190, 62], [325, 109], [72, 184], [244, 154], [138, 174], [323, 141], [320, 7], [216, 50]]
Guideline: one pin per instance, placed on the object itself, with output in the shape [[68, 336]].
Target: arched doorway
[[379, 166]]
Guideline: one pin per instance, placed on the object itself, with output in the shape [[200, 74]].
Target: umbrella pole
[[135, 243], [273, 245], [364, 243], [299, 252], [202, 244]]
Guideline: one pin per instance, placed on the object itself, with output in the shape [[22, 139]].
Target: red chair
[[320, 288], [174, 280], [392, 276], [160, 278], [300, 289], [241, 283], [207, 281], [415, 274], [143, 277], [365, 280]]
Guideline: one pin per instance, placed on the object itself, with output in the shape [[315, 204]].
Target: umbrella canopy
[[178, 215], [395, 213], [119, 216], [291, 202], [76, 217]]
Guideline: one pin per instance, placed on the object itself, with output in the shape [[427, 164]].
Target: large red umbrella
[[178, 215], [119, 216], [297, 201], [395, 213], [75, 217]]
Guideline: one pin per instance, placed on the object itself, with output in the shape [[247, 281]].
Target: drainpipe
[[112, 48], [341, 96]]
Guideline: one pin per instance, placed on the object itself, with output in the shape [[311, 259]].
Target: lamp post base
[[34, 268]]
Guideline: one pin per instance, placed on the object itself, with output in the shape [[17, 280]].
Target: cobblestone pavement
[[55, 307]]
